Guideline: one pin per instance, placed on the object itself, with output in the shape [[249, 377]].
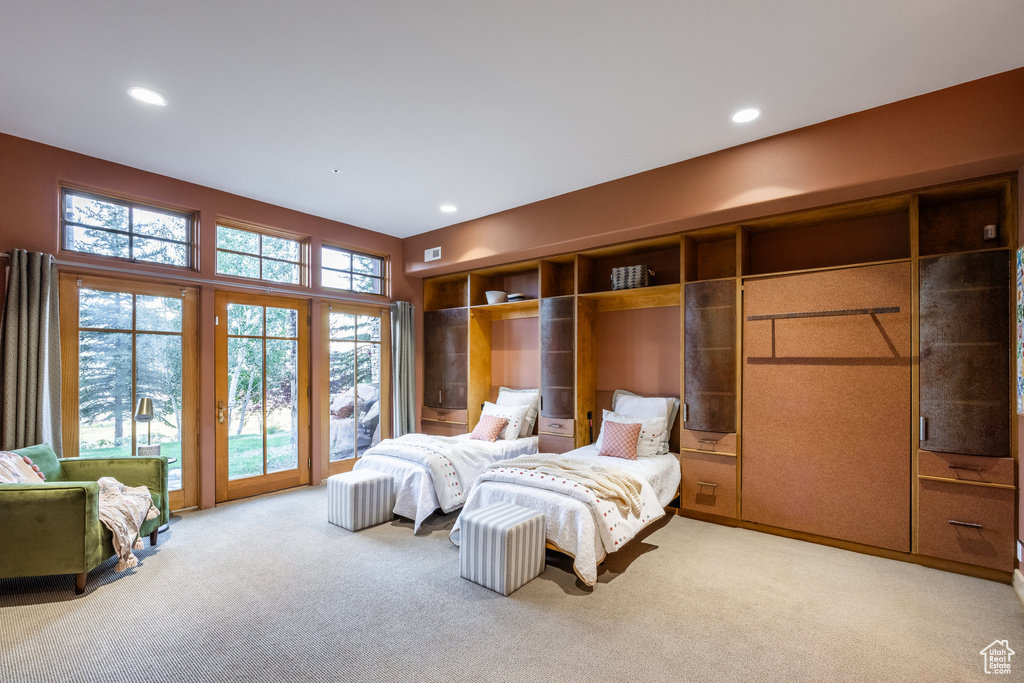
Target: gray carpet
[[267, 590]]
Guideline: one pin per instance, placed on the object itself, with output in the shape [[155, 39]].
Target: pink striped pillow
[[489, 428], [618, 440]]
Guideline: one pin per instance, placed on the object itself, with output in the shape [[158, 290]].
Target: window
[[261, 256], [93, 224], [357, 380], [131, 340], [352, 271]]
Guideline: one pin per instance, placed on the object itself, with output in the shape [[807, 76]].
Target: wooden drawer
[[549, 443], [716, 442], [440, 428], [708, 484], [444, 415], [989, 544], [965, 467], [554, 425]]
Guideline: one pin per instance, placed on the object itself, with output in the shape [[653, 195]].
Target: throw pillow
[[619, 440], [489, 428]]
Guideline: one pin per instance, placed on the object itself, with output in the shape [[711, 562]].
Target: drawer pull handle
[[969, 525], [707, 483], [554, 425], [969, 468], [707, 444]]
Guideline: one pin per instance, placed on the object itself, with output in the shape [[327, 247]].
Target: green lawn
[[246, 457]]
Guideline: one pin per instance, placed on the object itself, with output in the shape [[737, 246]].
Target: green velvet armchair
[[54, 528]]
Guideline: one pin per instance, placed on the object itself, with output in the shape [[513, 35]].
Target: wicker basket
[[631, 277]]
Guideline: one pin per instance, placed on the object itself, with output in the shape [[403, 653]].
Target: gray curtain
[[403, 364], [30, 344]]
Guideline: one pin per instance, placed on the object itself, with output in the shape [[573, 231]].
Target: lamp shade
[[144, 413]]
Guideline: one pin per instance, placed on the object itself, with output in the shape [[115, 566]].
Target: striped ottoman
[[360, 498], [502, 546]]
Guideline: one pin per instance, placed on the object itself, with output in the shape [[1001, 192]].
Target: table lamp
[[144, 413]]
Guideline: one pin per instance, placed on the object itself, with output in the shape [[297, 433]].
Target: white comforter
[[432, 472], [573, 522]]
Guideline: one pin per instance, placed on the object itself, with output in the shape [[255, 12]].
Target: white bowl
[[496, 296]]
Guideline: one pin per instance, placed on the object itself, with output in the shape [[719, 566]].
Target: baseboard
[[1018, 584]]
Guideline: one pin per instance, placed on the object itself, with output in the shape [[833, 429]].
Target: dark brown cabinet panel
[[710, 356], [445, 341], [965, 353], [557, 365]]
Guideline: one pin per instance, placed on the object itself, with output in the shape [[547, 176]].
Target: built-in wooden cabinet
[[445, 357], [709, 392], [845, 370], [965, 353]]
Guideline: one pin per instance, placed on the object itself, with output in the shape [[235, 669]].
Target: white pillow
[[516, 415], [519, 397], [634, 405], [651, 431]]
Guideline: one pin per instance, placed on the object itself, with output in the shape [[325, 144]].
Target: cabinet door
[[965, 353], [557, 340], [454, 358], [710, 356], [433, 348]]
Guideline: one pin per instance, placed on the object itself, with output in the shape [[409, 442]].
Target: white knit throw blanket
[[606, 482], [123, 510]]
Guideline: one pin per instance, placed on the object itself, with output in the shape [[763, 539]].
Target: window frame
[[301, 240], [384, 277], [130, 204], [70, 285]]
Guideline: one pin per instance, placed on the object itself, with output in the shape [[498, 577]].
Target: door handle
[[220, 412]]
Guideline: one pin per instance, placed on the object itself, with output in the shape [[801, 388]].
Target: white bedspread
[[572, 525], [416, 494]]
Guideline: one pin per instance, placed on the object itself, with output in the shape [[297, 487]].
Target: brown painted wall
[[515, 353], [965, 131], [639, 351], [30, 178]]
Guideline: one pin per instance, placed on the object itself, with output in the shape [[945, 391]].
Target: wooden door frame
[[327, 307], [250, 486], [70, 284]]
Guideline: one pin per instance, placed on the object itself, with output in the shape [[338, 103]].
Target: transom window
[[93, 224], [352, 271], [244, 252]]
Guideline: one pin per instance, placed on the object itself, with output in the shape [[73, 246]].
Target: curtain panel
[[403, 355], [30, 354]]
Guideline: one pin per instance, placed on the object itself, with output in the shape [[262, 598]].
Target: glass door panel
[[356, 351], [262, 381]]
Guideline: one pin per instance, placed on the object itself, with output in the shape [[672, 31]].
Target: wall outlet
[[1020, 551], [988, 232], [432, 254]]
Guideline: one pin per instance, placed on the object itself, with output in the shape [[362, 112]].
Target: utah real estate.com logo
[[997, 657]]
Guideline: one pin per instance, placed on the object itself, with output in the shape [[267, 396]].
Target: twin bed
[[595, 499]]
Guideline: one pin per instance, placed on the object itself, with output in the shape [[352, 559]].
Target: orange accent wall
[[31, 175], [515, 353]]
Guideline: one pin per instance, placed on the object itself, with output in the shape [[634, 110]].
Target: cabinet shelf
[[656, 296], [510, 309]]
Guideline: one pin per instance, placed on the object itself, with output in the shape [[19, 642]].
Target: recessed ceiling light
[[746, 115], [335, 170], [148, 96], [449, 208]]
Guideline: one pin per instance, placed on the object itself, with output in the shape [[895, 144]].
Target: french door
[[262, 366]]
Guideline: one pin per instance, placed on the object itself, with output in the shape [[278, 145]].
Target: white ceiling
[[484, 104]]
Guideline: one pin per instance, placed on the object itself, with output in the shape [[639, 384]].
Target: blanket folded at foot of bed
[[123, 510], [453, 463], [605, 482]]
